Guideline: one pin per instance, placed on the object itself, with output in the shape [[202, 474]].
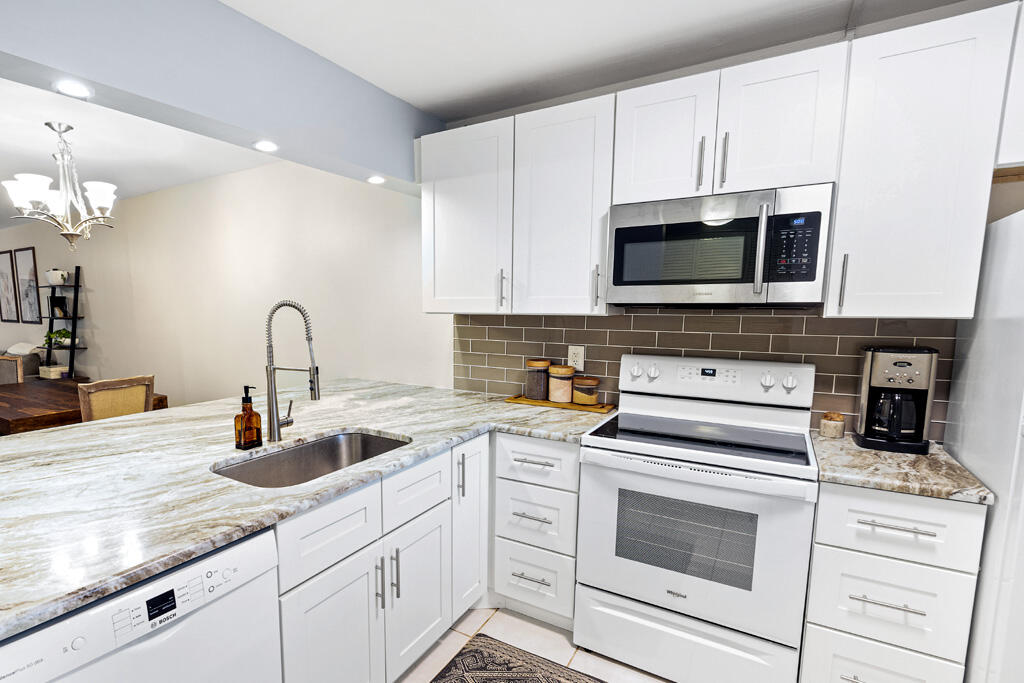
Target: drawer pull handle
[[520, 575], [894, 527], [396, 559], [851, 679], [890, 605], [540, 463], [523, 515]]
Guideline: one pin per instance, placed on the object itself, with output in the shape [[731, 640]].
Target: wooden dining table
[[40, 403]]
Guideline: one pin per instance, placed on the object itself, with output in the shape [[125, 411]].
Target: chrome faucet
[[273, 412]]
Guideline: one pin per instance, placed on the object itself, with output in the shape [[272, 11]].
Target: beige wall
[[182, 287]]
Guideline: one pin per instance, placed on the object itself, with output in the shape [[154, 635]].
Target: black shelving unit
[[76, 287]]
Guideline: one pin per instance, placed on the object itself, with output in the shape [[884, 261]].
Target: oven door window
[[686, 253], [704, 541]]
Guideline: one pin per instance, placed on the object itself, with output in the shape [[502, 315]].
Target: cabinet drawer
[[538, 461], [944, 533], [833, 656], [921, 608], [313, 541], [537, 577], [536, 515], [415, 490]]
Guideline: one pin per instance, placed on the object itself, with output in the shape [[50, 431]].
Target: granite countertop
[[937, 474], [92, 508]]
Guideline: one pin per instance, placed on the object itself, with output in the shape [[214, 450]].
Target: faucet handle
[[289, 408]]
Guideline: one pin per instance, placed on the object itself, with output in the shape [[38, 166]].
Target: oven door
[[722, 545], [686, 251]]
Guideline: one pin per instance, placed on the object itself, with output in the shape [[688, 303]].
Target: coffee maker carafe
[[897, 387]]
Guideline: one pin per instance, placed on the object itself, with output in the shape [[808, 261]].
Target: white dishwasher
[[213, 620]]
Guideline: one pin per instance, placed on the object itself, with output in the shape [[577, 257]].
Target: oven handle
[[704, 475]]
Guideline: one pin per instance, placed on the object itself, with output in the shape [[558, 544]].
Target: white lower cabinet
[[536, 515], [470, 508], [418, 574], [534, 576], [334, 623], [834, 656]]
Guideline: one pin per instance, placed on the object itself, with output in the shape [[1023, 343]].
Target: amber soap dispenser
[[248, 424]]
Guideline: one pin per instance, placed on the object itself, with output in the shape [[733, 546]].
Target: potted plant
[[57, 338]]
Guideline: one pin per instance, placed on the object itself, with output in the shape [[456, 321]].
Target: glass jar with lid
[[537, 379], [560, 383]]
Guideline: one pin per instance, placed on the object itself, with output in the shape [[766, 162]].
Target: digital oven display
[[708, 372], [161, 604]]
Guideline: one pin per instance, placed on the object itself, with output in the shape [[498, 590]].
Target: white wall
[[182, 286]]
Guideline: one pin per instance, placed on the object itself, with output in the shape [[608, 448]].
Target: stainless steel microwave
[[761, 247]]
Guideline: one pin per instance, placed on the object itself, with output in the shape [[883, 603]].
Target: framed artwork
[[27, 283], [8, 289]]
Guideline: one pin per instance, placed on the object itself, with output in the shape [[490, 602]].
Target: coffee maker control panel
[[909, 371]]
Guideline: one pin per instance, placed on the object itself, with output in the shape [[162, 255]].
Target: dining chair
[[114, 397], [12, 370]]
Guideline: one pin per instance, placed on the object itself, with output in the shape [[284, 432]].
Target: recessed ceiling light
[[376, 180], [73, 88], [265, 146]]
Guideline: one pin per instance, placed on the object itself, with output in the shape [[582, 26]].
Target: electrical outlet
[[576, 357]]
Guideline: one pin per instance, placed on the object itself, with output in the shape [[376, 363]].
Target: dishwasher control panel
[[67, 644]]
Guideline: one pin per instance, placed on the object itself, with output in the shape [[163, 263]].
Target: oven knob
[[789, 383], [653, 372], [78, 643], [767, 380], [892, 379], [636, 370]]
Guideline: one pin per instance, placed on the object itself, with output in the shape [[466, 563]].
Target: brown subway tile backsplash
[[490, 350]]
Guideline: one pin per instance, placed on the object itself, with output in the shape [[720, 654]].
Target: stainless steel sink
[[305, 462]]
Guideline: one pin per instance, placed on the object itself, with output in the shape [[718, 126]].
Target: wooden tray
[[599, 408]]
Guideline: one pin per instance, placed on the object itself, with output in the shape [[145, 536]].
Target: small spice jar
[[560, 383], [584, 390], [537, 378]]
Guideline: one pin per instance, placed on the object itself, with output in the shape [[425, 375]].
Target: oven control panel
[[70, 643], [745, 381]]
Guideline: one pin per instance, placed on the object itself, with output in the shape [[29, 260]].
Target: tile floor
[[526, 634]]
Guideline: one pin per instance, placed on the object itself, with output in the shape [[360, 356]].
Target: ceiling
[[462, 58], [136, 154]]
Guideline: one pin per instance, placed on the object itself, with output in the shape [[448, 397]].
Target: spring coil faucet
[[273, 412]]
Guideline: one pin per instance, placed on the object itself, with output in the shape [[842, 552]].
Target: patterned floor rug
[[486, 660]]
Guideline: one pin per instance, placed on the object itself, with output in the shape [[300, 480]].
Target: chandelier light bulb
[[55, 203], [101, 196], [36, 187], [19, 198], [265, 146], [73, 88]]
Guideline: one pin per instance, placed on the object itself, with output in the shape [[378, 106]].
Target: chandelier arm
[[93, 220], [44, 217]]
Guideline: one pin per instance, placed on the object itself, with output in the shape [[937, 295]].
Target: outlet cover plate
[[576, 357]]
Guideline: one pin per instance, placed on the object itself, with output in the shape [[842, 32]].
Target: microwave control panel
[[793, 247]]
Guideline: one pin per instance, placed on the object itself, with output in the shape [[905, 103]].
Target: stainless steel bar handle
[[890, 605], [462, 475], [894, 527], [523, 515], [725, 158], [596, 285], [527, 461], [380, 568], [851, 679], [501, 288], [700, 163], [842, 280], [520, 575], [762, 238], [396, 560]]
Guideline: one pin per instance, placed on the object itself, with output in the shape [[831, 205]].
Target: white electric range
[[696, 516]]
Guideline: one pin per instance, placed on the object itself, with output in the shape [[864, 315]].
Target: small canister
[[584, 390], [560, 383], [832, 425], [537, 378]]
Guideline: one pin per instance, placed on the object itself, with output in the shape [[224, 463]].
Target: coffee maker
[[896, 391]]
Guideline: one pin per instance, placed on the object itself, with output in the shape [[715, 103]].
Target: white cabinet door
[[335, 622], [665, 139], [467, 218], [419, 595], [1011, 141], [470, 483], [563, 187], [780, 120], [922, 119]]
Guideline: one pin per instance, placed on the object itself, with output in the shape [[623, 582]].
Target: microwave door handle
[[762, 238]]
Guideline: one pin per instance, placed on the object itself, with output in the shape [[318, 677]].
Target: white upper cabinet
[[563, 187], [467, 218], [1011, 144], [665, 139], [780, 120], [922, 121]]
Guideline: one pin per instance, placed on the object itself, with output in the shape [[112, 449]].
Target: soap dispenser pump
[[248, 424]]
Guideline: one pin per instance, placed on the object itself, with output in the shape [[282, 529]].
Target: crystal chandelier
[[32, 197]]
